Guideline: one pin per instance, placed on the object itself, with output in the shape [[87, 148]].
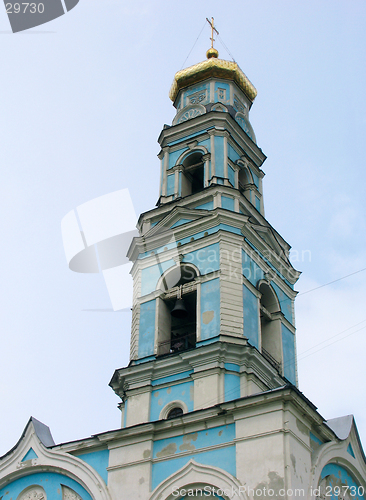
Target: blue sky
[[83, 101]]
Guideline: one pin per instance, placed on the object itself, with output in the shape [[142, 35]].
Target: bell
[[179, 310]]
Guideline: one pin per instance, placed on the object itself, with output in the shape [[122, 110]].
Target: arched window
[[245, 181], [270, 326], [175, 412], [193, 174], [177, 311]]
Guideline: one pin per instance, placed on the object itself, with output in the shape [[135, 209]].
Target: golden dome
[[212, 67], [212, 53]]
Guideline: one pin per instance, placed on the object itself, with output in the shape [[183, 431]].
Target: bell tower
[[213, 303], [209, 401]]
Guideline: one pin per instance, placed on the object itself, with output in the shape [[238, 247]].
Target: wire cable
[[333, 336], [189, 53], [225, 47], [331, 282]]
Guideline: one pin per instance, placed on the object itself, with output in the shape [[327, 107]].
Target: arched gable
[[195, 476], [335, 455], [15, 467]]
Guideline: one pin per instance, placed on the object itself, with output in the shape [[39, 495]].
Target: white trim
[[12, 467], [173, 404], [196, 149], [194, 475], [336, 453], [170, 269]]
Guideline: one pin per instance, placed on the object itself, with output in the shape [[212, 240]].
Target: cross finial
[[213, 29]]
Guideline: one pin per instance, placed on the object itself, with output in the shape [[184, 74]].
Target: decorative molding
[[239, 105], [196, 476], [33, 493], [189, 112], [173, 404], [198, 97], [50, 460], [69, 494], [219, 107], [336, 452]]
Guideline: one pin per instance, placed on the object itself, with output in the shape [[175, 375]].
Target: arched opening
[[193, 174], [177, 324], [245, 182], [177, 411], [271, 342]]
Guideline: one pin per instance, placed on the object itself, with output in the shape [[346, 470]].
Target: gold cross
[[213, 29]]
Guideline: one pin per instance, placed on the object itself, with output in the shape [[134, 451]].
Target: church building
[[210, 405]]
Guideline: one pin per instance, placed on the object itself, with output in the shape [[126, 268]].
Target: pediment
[[178, 216], [266, 233]]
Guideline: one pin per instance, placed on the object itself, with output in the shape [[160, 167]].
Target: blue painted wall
[[180, 222], [170, 184], [219, 156], [221, 85], [315, 439], [255, 179], [150, 276], [197, 440], [288, 348], [180, 183], [245, 126], [172, 378], [207, 259], [271, 266], [233, 155], [230, 229], [232, 387], [350, 450], [251, 317], [173, 157], [161, 397], [231, 174], [257, 203], [210, 309], [347, 479], [232, 367], [172, 143], [99, 460], [227, 203], [29, 455], [206, 206], [147, 328], [251, 270], [183, 241], [50, 481], [206, 144], [224, 457], [285, 303]]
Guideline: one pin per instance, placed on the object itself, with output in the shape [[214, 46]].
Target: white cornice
[[210, 121]]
